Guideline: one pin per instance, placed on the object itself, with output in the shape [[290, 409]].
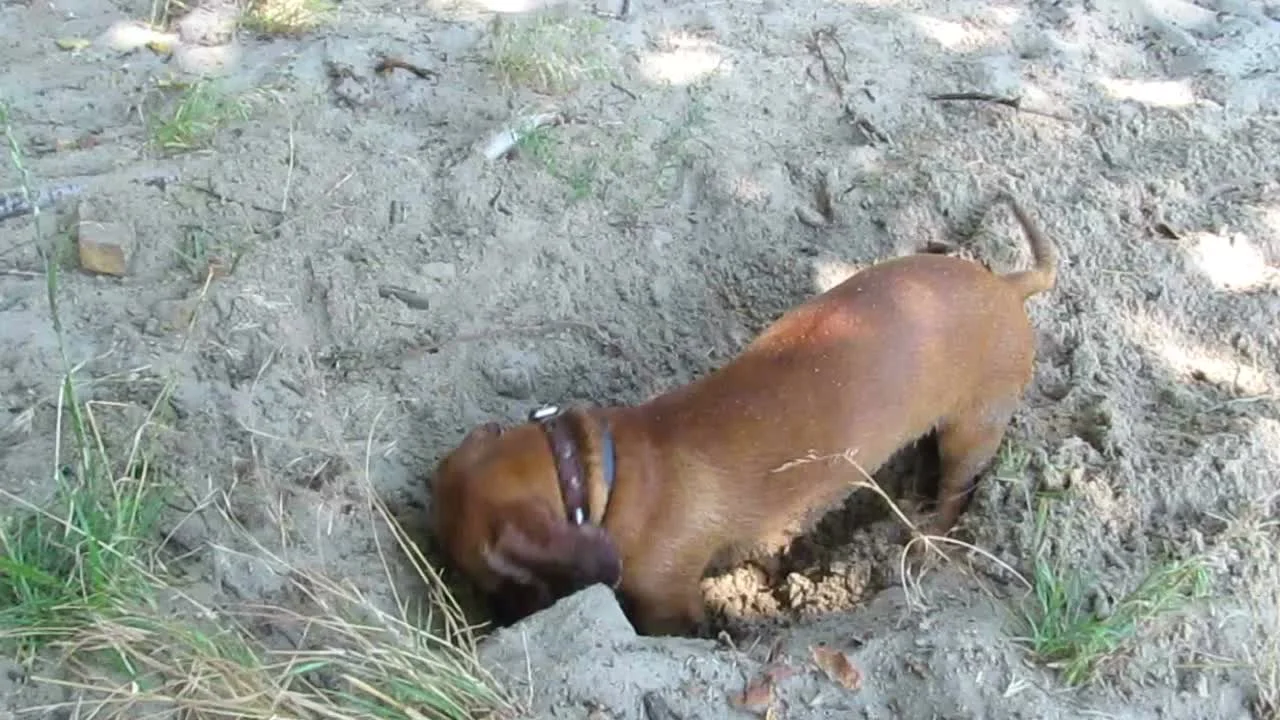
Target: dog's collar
[[569, 470]]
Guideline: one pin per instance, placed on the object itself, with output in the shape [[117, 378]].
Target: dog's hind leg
[[967, 442]]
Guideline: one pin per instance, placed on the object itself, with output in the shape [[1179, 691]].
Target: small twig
[[814, 46], [15, 204], [624, 9], [20, 273], [389, 63], [623, 90], [288, 178], [822, 213], [408, 297], [1014, 103], [822, 198], [525, 330], [870, 132]]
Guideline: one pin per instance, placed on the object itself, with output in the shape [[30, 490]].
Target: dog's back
[[907, 346]]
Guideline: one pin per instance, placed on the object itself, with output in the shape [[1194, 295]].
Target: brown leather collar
[[557, 424]]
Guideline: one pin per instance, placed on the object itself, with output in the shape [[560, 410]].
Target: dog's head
[[499, 517]]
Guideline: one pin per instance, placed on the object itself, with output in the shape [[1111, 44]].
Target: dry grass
[[286, 18]]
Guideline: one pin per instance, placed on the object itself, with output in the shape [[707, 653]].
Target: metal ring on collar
[[546, 412]]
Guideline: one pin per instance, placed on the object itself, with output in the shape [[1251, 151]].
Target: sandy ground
[[642, 242]]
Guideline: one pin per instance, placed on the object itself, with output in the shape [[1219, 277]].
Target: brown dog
[[645, 498]]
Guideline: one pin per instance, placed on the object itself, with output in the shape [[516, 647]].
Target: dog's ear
[[547, 558]]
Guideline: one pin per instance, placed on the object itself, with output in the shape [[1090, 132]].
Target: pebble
[[210, 24], [101, 257], [207, 61], [102, 246], [440, 271], [1099, 603], [512, 382]]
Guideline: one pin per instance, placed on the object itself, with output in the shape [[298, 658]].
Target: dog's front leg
[[667, 603], [671, 613]]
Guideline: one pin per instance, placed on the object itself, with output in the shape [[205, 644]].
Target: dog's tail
[[1044, 274]]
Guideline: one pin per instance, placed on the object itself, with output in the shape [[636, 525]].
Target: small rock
[[351, 93], [210, 24], [169, 315], [1196, 538], [1100, 604], [593, 613], [1033, 44], [206, 61], [440, 271], [661, 239], [189, 534], [12, 677], [101, 247], [660, 290], [656, 707], [512, 382], [246, 577], [799, 589], [348, 68]]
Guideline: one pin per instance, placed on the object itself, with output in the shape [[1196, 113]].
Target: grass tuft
[[195, 117], [1067, 630], [547, 53], [285, 18], [61, 568]]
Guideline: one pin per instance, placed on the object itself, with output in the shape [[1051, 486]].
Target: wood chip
[[837, 667], [1164, 230]]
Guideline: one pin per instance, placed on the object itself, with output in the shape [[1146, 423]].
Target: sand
[[672, 211]]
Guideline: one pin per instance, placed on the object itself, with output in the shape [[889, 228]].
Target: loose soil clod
[[837, 667]]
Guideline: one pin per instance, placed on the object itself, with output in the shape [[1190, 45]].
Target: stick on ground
[[1010, 102]]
